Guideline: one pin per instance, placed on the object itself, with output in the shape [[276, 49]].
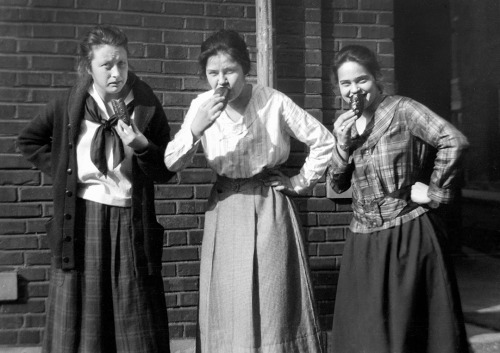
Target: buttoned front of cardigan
[[49, 142]]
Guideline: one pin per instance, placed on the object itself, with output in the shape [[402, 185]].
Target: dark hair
[[361, 55], [99, 35], [225, 41]]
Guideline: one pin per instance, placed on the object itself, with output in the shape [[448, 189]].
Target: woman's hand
[[343, 128], [419, 193], [208, 112], [131, 136], [279, 182]]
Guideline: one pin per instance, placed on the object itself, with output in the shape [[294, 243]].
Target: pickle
[[357, 103], [121, 110], [223, 91]]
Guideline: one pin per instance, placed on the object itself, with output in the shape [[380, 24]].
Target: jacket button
[[67, 238], [69, 126], [67, 216], [65, 259], [69, 193], [70, 145], [69, 171]]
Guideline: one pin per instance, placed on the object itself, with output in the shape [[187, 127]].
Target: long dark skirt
[[109, 304], [397, 293]]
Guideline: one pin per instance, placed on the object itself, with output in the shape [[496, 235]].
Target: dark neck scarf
[[98, 148]]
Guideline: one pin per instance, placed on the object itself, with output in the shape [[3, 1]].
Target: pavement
[[478, 277]]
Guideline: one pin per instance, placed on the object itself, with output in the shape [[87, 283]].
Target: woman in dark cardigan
[[102, 144]]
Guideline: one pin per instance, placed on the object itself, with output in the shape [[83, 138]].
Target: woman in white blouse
[[255, 288]]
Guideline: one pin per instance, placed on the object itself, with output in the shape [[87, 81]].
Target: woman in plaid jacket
[[396, 290]]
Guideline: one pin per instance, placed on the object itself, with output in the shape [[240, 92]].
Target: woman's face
[[354, 78], [222, 70], [109, 70]]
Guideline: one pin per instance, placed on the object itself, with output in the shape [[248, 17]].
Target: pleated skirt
[[397, 293], [255, 287], [110, 303]]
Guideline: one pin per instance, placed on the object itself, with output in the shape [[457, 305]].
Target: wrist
[[343, 147]]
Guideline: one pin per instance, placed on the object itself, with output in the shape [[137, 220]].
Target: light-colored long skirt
[[255, 288]]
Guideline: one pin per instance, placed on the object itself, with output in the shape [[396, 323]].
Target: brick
[[182, 315], [386, 5], [182, 8], [28, 79], [165, 208], [36, 225], [67, 47], [19, 210], [35, 321], [345, 4], [334, 219], [38, 290], [196, 176], [66, 79], [327, 249], [15, 30], [11, 226], [316, 235], [7, 45], [171, 300], [181, 67], [29, 336], [163, 83], [195, 237], [76, 17], [31, 15], [144, 35], [386, 19], [163, 22], [7, 111], [8, 337], [173, 192], [14, 162], [181, 284], [191, 207], [346, 31], [177, 52], [122, 19], [358, 17], [188, 299], [156, 51], [43, 96], [97, 4], [180, 254], [335, 233], [32, 273], [37, 258], [54, 31], [51, 63], [18, 243], [142, 65], [52, 3], [176, 238], [183, 37], [13, 62], [168, 270], [8, 194], [205, 23], [188, 269], [10, 322], [142, 6], [19, 178], [11, 258]]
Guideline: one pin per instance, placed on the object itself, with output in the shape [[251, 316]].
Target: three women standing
[[255, 289], [106, 289], [396, 291]]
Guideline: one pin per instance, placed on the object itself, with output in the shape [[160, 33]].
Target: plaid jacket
[[405, 142]]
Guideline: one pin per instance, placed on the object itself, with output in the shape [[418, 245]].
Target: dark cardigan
[[49, 142]]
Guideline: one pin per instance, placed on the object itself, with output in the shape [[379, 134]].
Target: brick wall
[[38, 42]]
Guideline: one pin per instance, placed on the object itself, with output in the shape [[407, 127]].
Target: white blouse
[[115, 189], [261, 139]]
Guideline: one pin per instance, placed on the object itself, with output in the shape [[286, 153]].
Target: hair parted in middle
[[225, 41]]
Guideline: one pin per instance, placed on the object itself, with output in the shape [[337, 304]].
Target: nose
[[354, 88], [115, 72], [221, 80]]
